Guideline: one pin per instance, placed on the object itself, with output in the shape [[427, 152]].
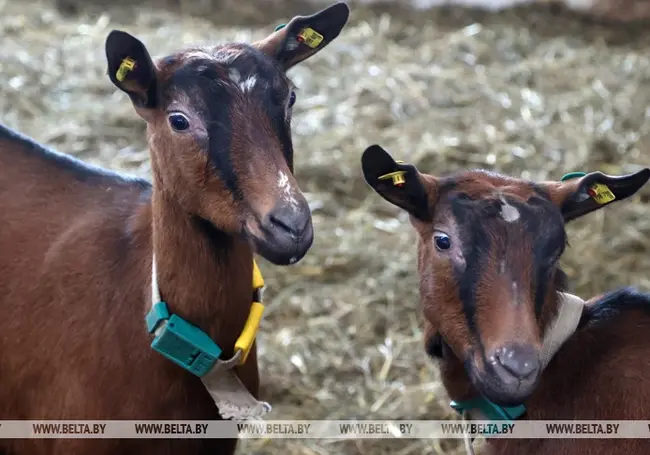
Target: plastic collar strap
[[190, 347], [490, 410], [572, 175]]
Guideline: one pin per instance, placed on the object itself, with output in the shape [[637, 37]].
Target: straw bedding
[[525, 91]]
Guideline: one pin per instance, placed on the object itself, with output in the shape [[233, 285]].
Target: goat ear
[[304, 36], [131, 69], [593, 191], [398, 183]]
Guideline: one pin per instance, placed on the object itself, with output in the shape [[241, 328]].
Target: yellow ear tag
[[601, 193], [310, 37], [127, 65], [397, 176]]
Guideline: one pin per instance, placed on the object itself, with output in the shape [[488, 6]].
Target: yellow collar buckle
[[245, 341]]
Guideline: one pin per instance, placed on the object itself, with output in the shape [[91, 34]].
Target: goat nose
[[292, 221], [520, 361]]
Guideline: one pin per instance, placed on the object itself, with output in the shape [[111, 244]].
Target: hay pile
[[445, 90]]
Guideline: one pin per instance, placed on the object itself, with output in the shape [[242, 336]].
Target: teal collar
[[491, 411], [572, 175], [187, 345]]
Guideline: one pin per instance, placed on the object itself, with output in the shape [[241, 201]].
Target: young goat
[[490, 288], [78, 242]]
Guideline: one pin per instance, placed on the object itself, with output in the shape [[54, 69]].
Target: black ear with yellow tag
[[131, 68], [400, 184], [579, 196], [304, 36]]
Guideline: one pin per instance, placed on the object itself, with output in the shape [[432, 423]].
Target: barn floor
[[444, 90]]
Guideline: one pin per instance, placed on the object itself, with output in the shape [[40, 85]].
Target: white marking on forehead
[[283, 184], [234, 75], [515, 294], [509, 213], [248, 84]]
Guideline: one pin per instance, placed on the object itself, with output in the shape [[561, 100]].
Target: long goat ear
[[131, 68], [305, 36], [400, 184], [582, 195]]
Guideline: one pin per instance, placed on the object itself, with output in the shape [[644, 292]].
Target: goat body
[[78, 242], [76, 247]]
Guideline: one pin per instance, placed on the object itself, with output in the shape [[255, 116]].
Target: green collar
[[490, 410], [572, 175], [187, 345]]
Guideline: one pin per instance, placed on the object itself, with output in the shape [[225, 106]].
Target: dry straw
[[525, 92]]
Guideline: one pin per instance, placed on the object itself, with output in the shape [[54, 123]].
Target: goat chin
[[500, 393]]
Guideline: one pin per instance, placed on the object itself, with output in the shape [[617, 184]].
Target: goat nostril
[[283, 224], [520, 361], [289, 221]]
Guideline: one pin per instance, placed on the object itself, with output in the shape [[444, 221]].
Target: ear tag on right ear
[[310, 37], [601, 193], [127, 65], [397, 176]]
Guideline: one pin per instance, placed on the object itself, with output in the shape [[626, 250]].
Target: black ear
[[304, 36], [131, 69], [400, 184], [593, 191]]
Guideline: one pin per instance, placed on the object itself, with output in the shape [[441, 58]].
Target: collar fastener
[[572, 175], [190, 347], [490, 411]]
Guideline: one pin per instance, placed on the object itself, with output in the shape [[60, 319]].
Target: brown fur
[[76, 249], [492, 289], [597, 374]]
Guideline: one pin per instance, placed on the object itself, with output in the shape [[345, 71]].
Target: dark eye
[[179, 122], [442, 241], [292, 99]]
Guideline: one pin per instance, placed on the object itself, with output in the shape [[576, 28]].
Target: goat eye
[[443, 242], [179, 122], [292, 99]]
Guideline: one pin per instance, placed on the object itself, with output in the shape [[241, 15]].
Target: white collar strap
[[230, 395], [569, 312], [565, 323]]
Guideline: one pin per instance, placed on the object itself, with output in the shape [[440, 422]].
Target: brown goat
[[488, 252], [76, 241]]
